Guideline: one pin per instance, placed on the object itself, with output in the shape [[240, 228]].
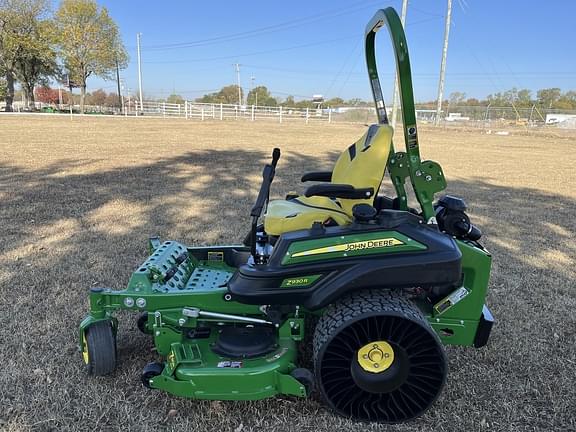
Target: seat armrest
[[322, 176], [345, 191]]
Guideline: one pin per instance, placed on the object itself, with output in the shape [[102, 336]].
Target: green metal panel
[[194, 370], [351, 245], [463, 317]]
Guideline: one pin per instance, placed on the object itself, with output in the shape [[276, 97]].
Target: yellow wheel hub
[[85, 349], [376, 356]]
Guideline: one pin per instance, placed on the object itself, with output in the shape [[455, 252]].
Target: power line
[[267, 29], [253, 53]]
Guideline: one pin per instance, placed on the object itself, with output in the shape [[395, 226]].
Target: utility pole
[[138, 35], [120, 103], [443, 64], [395, 100], [238, 81]]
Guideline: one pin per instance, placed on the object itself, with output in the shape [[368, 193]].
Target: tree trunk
[[82, 96], [9, 91], [29, 96]]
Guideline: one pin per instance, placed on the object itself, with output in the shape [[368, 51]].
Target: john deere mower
[[379, 287]]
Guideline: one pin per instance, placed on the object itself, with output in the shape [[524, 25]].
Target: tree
[[456, 99], [261, 96], [227, 95], [334, 102], [567, 101], [547, 97], [175, 99], [25, 44], [524, 98], [47, 95], [25, 50], [89, 42], [112, 100], [289, 101], [98, 97], [3, 87]]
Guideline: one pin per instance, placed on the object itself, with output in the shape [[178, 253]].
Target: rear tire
[[377, 358], [100, 349]]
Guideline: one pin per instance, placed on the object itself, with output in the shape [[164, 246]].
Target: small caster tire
[[99, 351], [142, 323], [306, 378], [150, 371]]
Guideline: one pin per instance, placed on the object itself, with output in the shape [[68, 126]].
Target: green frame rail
[[426, 177]]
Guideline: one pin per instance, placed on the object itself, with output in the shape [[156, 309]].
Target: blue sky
[[315, 47]]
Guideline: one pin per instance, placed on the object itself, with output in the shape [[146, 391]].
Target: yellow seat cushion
[[300, 213], [361, 165]]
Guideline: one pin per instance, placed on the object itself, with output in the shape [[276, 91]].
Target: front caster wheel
[[150, 371], [304, 377], [99, 351]]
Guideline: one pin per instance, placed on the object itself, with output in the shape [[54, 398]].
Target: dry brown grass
[[79, 198]]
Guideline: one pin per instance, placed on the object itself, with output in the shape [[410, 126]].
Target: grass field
[[78, 199]]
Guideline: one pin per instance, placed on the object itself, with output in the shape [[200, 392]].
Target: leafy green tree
[[227, 95], [89, 42], [567, 101], [524, 98], [261, 96], [547, 97], [175, 99], [305, 104], [26, 53]]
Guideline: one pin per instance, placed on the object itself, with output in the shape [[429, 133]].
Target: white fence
[[206, 111], [487, 117]]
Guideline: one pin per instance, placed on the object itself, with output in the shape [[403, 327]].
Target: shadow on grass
[[63, 233]]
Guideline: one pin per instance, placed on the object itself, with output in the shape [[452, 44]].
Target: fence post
[[307, 114], [186, 109], [252, 112], [329, 115], [486, 115], [280, 113], [531, 112], [221, 112], [202, 113], [213, 112], [163, 109], [236, 112]]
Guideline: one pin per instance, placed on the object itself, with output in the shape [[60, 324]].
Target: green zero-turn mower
[[380, 287]]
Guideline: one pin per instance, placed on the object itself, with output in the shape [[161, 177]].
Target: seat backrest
[[363, 164]]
